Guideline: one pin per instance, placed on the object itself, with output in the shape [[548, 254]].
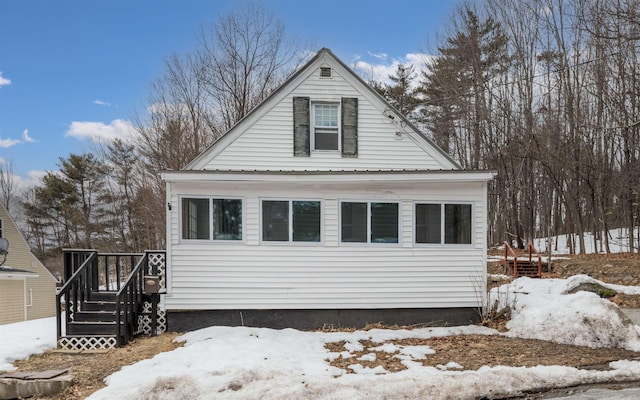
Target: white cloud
[[379, 56], [102, 103], [4, 81], [33, 178], [8, 142], [380, 71], [99, 132], [26, 137]]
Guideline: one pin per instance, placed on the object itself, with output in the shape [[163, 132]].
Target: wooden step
[[94, 316], [525, 268], [102, 296], [92, 328], [99, 306]]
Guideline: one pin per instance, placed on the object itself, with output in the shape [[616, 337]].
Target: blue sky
[[72, 71]]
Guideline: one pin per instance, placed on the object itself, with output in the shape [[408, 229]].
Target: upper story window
[[325, 126], [443, 223], [326, 133], [369, 222], [211, 218]]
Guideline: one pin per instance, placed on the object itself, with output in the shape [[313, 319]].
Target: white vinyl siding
[[269, 275], [268, 143]]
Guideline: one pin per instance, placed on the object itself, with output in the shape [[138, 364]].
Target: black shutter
[[301, 139], [349, 119]]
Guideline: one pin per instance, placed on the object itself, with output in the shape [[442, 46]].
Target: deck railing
[[128, 300], [77, 288]]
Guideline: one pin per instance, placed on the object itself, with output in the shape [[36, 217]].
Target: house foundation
[[183, 321]]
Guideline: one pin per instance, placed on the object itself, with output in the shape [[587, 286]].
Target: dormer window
[[326, 133]]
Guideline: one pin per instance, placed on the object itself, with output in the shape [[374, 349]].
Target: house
[[27, 288], [324, 206]]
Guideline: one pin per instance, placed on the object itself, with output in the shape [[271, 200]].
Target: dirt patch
[[90, 368], [474, 351]]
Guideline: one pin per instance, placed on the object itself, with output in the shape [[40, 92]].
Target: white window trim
[[368, 242], [211, 239], [442, 204], [313, 127], [290, 228]]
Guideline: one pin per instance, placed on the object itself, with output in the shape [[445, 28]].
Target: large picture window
[[211, 218], [443, 223], [369, 222], [291, 221]]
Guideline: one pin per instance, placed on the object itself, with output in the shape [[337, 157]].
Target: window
[[227, 219], [211, 219], [195, 218], [325, 126], [369, 222], [1, 229], [428, 225], [457, 223], [291, 221], [433, 222]]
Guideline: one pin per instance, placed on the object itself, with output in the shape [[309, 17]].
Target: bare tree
[[7, 183], [243, 58]]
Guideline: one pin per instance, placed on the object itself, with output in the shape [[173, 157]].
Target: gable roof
[[200, 161], [19, 247]]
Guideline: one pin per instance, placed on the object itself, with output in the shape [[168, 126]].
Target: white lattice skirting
[[87, 342], [144, 320]]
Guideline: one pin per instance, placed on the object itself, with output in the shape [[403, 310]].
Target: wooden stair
[[96, 317], [522, 266], [106, 298]]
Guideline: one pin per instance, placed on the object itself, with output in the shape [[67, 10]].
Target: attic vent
[[325, 72]]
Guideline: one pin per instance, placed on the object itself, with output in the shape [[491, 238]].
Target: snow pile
[[22, 339], [544, 309]]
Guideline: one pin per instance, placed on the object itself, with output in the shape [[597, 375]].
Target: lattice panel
[[158, 260], [87, 342], [144, 320]]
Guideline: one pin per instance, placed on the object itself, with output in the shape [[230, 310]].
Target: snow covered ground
[[22, 339], [618, 242], [241, 363]]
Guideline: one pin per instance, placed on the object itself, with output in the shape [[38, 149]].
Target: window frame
[[443, 205], [369, 216], [290, 240], [210, 200], [313, 126]]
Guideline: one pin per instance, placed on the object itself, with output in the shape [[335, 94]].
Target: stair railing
[[531, 249], [82, 265], [509, 250], [128, 302]]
